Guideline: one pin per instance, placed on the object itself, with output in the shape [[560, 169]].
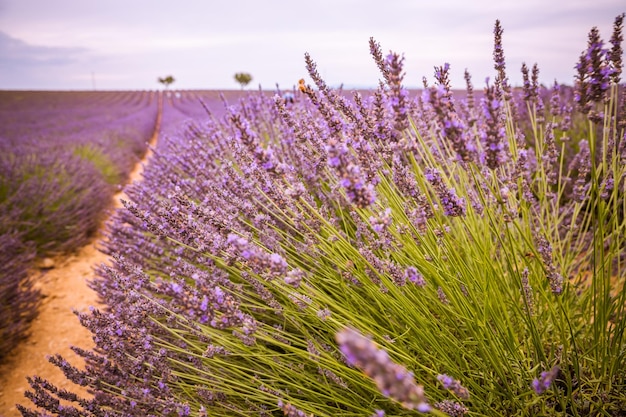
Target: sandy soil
[[57, 328]]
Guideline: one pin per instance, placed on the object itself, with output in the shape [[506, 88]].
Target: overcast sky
[[128, 44]]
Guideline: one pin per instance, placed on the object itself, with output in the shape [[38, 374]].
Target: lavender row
[[185, 109], [18, 298], [381, 254], [42, 115], [116, 123], [62, 157]]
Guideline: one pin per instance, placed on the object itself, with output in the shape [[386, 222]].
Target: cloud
[[16, 53], [26, 66]]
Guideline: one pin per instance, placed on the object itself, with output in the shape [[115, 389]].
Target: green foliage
[[166, 81], [243, 78], [103, 164]]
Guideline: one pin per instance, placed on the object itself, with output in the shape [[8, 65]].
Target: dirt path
[[57, 328]]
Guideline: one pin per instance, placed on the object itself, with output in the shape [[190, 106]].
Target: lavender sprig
[[492, 133], [502, 82], [454, 386], [543, 383], [615, 55], [452, 204], [392, 379]]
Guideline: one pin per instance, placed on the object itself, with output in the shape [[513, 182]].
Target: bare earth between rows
[[56, 329]]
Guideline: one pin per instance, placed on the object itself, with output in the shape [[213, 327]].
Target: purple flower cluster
[[492, 133], [392, 379], [527, 291], [391, 67], [615, 55], [259, 261], [55, 199], [454, 386], [413, 276], [545, 380], [60, 160], [382, 222], [502, 81], [359, 191], [451, 127], [452, 204], [598, 67], [290, 410], [555, 279], [452, 408]]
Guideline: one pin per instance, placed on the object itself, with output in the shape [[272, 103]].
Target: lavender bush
[[18, 298], [55, 200], [373, 255]]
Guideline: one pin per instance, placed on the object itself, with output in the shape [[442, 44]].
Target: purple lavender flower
[[377, 54], [550, 159], [294, 277], [454, 386], [615, 55], [594, 73], [259, 260], [544, 248], [542, 384], [527, 291], [391, 67], [581, 165], [359, 191], [413, 275], [492, 133], [555, 99], [392, 379], [442, 296], [451, 203], [398, 94], [452, 408], [470, 99], [382, 222], [502, 85], [323, 314], [451, 127], [18, 297], [528, 91]]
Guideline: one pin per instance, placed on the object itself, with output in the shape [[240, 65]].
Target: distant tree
[[167, 81], [243, 78]]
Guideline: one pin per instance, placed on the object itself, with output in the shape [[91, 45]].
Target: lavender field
[[376, 253], [62, 157]]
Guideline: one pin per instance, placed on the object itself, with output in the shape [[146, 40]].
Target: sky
[[129, 44]]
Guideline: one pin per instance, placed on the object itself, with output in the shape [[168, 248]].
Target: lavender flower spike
[[454, 386], [452, 408], [392, 379], [452, 204], [541, 384], [615, 55], [502, 83]]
